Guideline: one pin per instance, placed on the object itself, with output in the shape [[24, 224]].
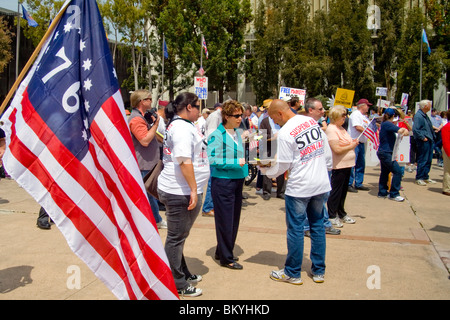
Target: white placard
[[201, 87]]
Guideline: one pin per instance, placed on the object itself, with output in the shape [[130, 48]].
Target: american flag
[[371, 132], [69, 146], [204, 47]]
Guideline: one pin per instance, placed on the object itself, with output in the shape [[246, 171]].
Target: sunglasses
[[237, 116]]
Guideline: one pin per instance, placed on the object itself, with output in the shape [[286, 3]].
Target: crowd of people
[[308, 157]]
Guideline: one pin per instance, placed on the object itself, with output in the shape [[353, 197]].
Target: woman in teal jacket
[[226, 156]]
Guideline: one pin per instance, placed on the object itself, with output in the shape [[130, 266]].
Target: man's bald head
[[278, 104], [280, 111]]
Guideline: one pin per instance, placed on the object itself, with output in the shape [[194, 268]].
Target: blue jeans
[[153, 202], [326, 217], [424, 158], [208, 202], [388, 166], [297, 209], [357, 172]]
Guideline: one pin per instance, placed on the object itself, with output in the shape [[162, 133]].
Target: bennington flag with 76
[[69, 146]]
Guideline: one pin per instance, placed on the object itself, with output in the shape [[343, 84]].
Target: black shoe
[[280, 196], [363, 188], [234, 266], [218, 258], [43, 225], [266, 196], [190, 292], [351, 189]]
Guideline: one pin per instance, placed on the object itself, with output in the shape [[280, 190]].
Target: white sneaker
[[260, 191], [336, 222], [348, 219], [162, 224], [318, 278], [281, 276], [397, 198], [430, 181], [421, 182]]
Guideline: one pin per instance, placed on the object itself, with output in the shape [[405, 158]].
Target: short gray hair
[[424, 103]]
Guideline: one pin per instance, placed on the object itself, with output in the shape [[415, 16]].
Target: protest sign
[[381, 92], [286, 92], [201, 87], [344, 97]]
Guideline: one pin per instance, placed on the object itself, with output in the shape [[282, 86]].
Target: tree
[[131, 23], [43, 11], [267, 57], [387, 44], [222, 23], [439, 14], [350, 47], [5, 44], [433, 65]]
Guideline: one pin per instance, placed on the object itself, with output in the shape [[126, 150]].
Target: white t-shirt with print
[[357, 119], [183, 140], [301, 145]]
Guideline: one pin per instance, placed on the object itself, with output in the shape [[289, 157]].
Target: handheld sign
[[286, 92], [201, 87], [344, 97]]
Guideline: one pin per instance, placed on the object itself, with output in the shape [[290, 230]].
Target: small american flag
[[69, 146], [372, 133]]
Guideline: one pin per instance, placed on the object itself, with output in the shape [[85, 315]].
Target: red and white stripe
[[99, 203], [373, 136]]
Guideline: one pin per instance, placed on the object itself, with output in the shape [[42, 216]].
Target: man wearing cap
[[358, 121], [263, 109]]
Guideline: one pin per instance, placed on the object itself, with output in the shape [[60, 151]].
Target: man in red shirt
[[445, 133]]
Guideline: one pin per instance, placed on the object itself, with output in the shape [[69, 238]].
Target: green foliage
[[334, 49], [5, 45]]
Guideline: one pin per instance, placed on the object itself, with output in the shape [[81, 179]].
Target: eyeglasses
[[237, 116]]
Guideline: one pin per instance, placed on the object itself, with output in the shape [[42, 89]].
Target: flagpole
[[162, 76], [201, 65], [421, 44], [18, 40], [33, 57], [201, 52]]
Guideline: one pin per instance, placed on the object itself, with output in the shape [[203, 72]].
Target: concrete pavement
[[394, 251]]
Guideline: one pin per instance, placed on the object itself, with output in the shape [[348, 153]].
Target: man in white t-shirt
[[358, 121], [301, 151]]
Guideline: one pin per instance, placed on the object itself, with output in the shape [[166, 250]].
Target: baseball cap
[[390, 111], [361, 101]]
